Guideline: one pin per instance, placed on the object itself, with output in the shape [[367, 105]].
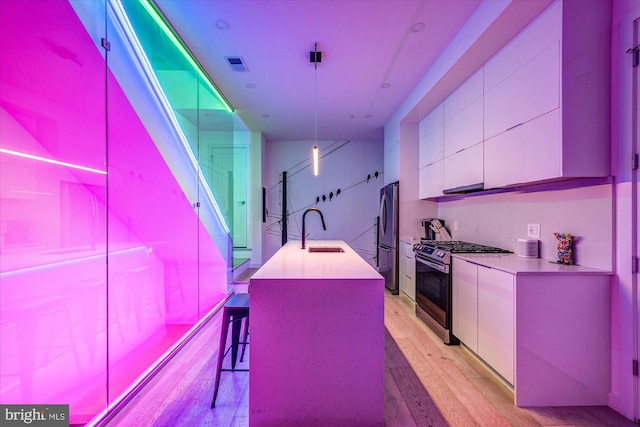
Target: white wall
[[580, 208], [349, 216], [255, 197]]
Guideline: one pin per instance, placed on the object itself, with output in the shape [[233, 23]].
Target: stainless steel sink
[[325, 249]]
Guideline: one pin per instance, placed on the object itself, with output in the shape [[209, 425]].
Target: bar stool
[[235, 309]]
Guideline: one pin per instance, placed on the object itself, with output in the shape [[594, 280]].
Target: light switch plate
[[533, 231]]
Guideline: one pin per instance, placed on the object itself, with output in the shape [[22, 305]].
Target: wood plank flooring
[[426, 384]]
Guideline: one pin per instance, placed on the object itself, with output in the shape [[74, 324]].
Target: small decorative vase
[[565, 242]]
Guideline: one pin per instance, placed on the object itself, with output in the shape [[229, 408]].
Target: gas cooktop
[[441, 250], [459, 246]]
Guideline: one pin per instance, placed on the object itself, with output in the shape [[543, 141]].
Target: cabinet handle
[[514, 126]]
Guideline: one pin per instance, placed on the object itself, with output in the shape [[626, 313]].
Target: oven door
[[433, 290]]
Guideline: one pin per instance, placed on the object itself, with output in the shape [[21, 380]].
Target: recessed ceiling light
[[385, 85], [222, 24], [417, 27], [368, 116], [266, 116], [251, 86]]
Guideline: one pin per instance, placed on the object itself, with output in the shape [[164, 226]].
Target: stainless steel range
[[433, 282]]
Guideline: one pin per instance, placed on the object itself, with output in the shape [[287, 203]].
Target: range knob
[[440, 254]]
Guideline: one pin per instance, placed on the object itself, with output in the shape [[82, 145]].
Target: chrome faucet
[[304, 215]]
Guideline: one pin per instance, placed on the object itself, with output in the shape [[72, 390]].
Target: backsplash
[[500, 219]]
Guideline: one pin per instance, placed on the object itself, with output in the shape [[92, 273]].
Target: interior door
[[635, 117], [228, 175]]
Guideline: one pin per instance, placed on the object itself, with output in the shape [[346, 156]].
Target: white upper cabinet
[[531, 42], [431, 138], [530, 92], [527, 153], [463, 168], [537, 111], [463, 112], [430, 134], [431, 180], [546, 99]]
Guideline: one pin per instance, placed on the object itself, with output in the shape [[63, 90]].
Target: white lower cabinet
[[482, 314], [495, 320], [465, 303], [407, 270], [544, 329]]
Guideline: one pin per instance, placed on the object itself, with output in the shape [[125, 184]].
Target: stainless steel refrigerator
[[388, 240]]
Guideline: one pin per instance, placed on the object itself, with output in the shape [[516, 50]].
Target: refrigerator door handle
[[383, 214]]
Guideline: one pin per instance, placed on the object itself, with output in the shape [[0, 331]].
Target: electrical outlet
[[533, 231]]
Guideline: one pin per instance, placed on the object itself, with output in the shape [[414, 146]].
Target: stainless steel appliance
[[433, 282], [388, 240]]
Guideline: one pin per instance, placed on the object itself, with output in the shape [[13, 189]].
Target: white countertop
[[514, 264], [292, 262]]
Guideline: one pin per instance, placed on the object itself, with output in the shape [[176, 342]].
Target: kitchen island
[[317, 338]]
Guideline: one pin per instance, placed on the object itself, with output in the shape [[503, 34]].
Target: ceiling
[[374, 52]]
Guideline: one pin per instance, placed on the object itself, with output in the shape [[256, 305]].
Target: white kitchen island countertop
[[292, 262]]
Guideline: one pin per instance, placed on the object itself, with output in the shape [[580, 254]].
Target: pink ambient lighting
[[101, 274], [52, 161]]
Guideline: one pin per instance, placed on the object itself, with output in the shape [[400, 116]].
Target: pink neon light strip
[[125, 394], [55, 162]]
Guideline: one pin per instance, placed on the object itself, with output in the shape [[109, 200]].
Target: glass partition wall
[[117, 167]]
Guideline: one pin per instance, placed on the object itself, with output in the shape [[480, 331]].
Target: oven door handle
[[443, 268]]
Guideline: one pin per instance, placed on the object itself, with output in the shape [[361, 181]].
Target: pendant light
[[315, 57]]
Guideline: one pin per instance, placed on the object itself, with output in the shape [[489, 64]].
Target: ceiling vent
[[236, 63]]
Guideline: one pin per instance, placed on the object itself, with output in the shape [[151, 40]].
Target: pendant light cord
[[315, 94]]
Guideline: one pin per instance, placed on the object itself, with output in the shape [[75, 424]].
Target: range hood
[[465, 189]]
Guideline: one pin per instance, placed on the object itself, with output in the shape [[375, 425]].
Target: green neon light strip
[[153, 11]]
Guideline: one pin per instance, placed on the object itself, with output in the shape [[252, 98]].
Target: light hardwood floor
[[426, 384]]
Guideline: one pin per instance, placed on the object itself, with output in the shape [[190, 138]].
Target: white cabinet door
[[430, 135], [528, 93], [466, 94], [495, 320], [465, 303], [533, 40], [527, 153], [463, 115], [464, 129], [464, 168], [407, 270], [430, 180]]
